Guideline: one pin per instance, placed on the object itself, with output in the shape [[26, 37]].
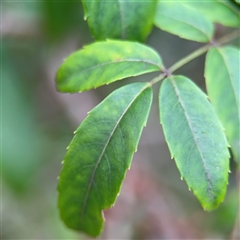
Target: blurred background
[[37, 124]]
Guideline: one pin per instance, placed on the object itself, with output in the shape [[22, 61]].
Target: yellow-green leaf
[[105, 62]]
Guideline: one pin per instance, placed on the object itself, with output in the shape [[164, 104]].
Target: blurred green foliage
[[60, 18]]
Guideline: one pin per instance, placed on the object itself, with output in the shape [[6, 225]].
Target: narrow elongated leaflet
[[223, 85], [99, 156], [180, 19], [196, 139], [225, 12], [105, 62], [119, 19]]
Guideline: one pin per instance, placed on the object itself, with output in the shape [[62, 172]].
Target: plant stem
[[195, 54], [228, 37], [189, 58], [158, 78], [204, 49]]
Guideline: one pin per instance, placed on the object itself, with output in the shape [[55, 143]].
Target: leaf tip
[[62, 162]]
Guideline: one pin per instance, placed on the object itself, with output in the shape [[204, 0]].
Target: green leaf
[[223, 85], [105, 62], [196, 139], [225, 12], [118, 19], [180, 19], [99, 156]]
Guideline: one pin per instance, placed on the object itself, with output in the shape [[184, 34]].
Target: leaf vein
[[187, 23], [104, 149], [113, 62], [193, 133], [231, 82]]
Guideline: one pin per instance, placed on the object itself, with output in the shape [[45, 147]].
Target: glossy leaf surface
[[99, 156], [223, 86], [118, 19], [218, 11], [105, 62], [180, 19], [196, 139]]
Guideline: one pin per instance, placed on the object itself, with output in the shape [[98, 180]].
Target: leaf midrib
[[192, 131], [231, 83], [104, 149], [112, 62], [200, 30]]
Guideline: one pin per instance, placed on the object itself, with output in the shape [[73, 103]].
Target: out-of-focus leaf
[[118, 19], [196, 139], [61, 17], [218, 11], [237, 1], [22, 140], [223, 86], [180, 19], [99, 156], [105, 62]]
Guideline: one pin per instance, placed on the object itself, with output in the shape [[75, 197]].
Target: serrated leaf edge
[[210, 185], [104, 149]]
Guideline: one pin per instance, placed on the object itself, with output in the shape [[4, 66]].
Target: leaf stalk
[[227, 38]]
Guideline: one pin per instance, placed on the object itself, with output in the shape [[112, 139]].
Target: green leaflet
[[180, 19], [219, 11], [223, 86], [195, 138], [119, 19], [105, 62], [99, 156]]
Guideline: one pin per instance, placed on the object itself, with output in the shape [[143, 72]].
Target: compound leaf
[[180, 19], [99, 156], [222, 80], [225, 12], [196, 139], [118, 19], [105, 62]]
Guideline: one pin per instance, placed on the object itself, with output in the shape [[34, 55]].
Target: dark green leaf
[[118, 19], [223, 12], [55, 25], [99, 156], [237, 1], [223, 86], [105, 62], [196, 139], [180, 19]]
